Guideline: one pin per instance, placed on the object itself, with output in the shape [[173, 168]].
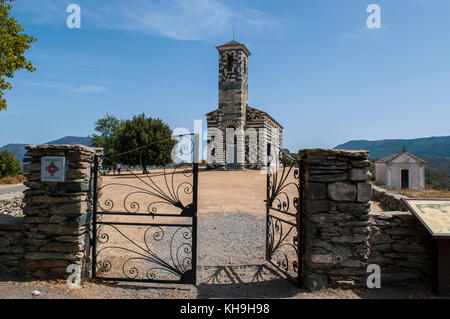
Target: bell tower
[[233, 82]]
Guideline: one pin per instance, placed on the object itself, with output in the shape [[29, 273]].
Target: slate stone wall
[[389, 200], [12, 246], [341, 237], [335, 221], [54, 231], [401, 246]]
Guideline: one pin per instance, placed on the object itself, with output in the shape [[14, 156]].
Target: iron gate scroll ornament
[[153, 237], [284, 203]]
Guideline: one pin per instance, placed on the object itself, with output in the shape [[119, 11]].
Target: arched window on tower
[[230, 61]]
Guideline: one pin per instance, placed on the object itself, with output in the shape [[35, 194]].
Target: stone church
[[239, 136]]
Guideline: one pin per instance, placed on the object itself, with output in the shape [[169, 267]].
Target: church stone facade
[[239, 136]]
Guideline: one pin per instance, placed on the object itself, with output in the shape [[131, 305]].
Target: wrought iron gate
[[145, 218], [284, 203]]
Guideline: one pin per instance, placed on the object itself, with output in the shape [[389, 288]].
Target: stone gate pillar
[[57, 213], [335, 220]]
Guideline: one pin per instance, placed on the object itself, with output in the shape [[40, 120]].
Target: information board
[[434, 214]]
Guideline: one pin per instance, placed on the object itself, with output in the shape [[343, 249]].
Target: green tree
[[107, 127], [141, 131], [286, 161], [372, 169], [9, 164], [13, 45]]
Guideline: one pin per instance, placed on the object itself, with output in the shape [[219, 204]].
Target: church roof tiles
[[232, 45], [252, 110]]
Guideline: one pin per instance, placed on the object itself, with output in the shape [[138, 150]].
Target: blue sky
[[315, 66]]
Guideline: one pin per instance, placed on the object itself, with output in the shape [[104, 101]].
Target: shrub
[[141, 131], [9, 164], [10, 180], [372, 169]]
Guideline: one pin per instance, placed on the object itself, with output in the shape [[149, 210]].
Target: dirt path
[[9, 191], [219, 191], [232, 284]]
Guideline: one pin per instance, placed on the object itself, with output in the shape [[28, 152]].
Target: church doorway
[[235, 151], [405, 178], [231, 157]]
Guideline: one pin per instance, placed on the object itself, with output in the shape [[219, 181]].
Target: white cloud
[[175, 19], [90, 89], [182, 20], [66, 87], [41, 12], [364, 34]]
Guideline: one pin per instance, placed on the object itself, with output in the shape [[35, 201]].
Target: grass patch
[[430, 193], [12, 180]]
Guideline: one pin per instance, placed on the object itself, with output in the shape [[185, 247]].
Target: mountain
[[439, 165], [436, 179], [72, 140], [426, 148], [19, 149]]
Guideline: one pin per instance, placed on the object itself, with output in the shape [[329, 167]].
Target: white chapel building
[[401, 171]]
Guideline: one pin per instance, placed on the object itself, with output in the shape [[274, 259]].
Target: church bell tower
[[233, 82]]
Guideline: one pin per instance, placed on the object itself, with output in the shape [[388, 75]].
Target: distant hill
[[429, 147], [19, 149], [439, 164], [72, 140], [437, 179]]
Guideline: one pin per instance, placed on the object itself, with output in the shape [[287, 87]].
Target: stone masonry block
[[342, 192], [316, 191], [359, 174], [364, 192]]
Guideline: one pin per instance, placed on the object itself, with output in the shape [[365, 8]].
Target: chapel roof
[[388, 159]]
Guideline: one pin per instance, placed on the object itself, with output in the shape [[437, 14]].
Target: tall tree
[[107, 127], [13, 45], [9, 164], [141, 131]]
